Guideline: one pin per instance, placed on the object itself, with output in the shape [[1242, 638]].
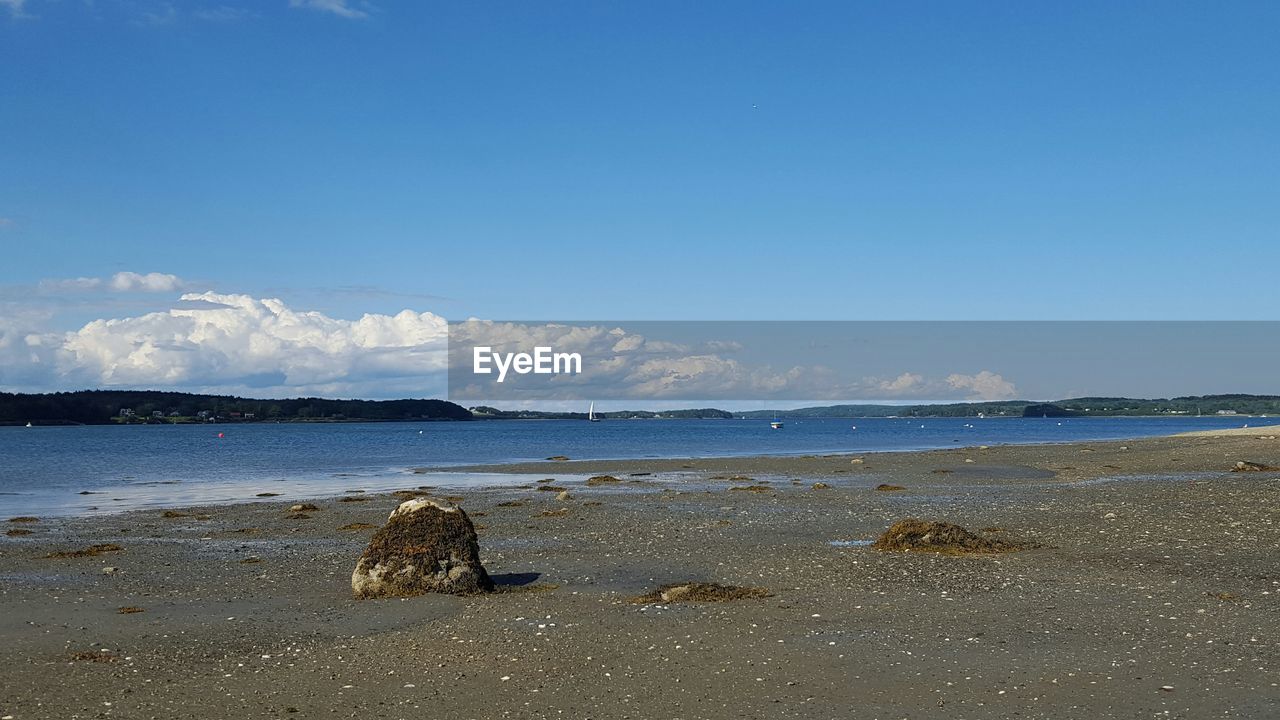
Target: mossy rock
[[426, 546]]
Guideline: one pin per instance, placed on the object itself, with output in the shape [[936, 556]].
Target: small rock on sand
[[1246, 466], [563, 496]]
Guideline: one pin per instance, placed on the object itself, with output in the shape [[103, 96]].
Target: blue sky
[[646, 160]]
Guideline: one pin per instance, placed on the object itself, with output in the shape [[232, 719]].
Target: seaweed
[[701, 592], [940, 537], [357, 526], [91, 551]]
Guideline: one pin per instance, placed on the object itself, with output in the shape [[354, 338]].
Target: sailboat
[[776, 424], [28, 424], [591, 412]]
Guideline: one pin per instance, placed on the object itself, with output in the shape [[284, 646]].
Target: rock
[[1246, 466], [595, 480], [857, 461], [426, 546], [110, 570], [820, 486], [558, 458], [563, 496], [968, 460], [886, 487], [303, 507]]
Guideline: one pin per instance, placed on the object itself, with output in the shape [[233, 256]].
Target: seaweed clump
[[940, 537], [886, 487], [91, 551], [701, 592], [595, 480]]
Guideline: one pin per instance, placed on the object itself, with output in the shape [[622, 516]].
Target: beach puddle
[[156, 496], [850, 543]]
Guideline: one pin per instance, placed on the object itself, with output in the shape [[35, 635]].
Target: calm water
[[45, 470]]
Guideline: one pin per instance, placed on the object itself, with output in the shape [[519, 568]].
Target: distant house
[[1227, 412], [157, 413], [248, 416], [203, 414], [235, 416], [126, 412]]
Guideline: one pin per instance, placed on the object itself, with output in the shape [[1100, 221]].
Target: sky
[[326, 181]]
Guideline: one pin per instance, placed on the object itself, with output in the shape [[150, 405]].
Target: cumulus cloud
[[622, 364], [240, 344], [236, 341], [985, 385], [152, 282], [340, 8], [904, 383]]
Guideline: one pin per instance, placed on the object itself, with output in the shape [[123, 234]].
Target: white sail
[[591, 412]]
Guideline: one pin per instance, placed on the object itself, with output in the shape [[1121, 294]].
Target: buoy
[[220, 435]]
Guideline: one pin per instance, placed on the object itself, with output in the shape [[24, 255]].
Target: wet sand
[[1151, 591]]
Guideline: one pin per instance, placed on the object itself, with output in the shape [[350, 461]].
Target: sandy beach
[[1149, 587]]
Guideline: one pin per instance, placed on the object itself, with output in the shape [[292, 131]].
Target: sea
[[59, 471]]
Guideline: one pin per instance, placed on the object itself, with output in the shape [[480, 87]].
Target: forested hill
[[1074, 407], [101, 407]]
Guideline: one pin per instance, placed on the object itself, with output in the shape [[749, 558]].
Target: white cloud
[[985, 385], [906, 382], [71, 284], [17, 8], [123, 282], [150, 282], [337, 7], [233, 342]]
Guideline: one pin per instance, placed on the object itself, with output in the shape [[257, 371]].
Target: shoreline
[[1129, 586], [319, 485]]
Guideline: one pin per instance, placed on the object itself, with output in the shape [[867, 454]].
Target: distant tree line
[[101, 407], [1074, 407], [491, 413]]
